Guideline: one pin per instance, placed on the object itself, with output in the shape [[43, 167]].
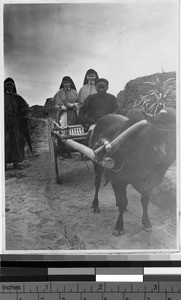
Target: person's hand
[[70, 105], [63, 107]]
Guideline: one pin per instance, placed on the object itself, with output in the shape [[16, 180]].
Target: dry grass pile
[[149, 93]]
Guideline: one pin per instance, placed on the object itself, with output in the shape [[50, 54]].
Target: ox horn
[[120, 139], [108, 162]]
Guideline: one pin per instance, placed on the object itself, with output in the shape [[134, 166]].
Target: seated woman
[[88, 87], [65, 100]]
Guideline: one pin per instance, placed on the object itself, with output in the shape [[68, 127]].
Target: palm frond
[[145, 102], [162, 93], [171, 79], [159, 93]]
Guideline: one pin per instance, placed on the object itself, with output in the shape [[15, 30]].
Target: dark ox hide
[[141, 160]]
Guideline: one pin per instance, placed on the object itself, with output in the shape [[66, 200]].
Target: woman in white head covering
[[88, 87]]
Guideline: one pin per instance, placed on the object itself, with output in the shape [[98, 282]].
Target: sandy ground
[[44, 215]]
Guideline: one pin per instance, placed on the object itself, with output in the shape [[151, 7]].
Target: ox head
[[161, 125], [165, 118]]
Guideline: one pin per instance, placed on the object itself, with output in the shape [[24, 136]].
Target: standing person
[[65, 100], [88, 87], [98, 105], [16, 112]]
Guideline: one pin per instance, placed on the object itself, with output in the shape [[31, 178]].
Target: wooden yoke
[[88, 152], [109, 148], [71, 141]]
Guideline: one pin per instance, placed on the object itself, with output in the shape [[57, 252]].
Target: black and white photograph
[[91, 126]]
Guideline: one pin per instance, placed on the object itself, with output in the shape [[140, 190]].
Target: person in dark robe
[[16, 110], [98, 105]]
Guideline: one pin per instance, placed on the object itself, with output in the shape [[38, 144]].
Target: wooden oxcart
[[75, 139], [64, 139], [71, 139]]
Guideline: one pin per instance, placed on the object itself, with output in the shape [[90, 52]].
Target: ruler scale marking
[[164, 289]]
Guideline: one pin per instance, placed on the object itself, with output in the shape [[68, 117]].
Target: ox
[[140, 159]]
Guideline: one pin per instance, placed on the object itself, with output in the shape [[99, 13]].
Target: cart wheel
[[53, 150]]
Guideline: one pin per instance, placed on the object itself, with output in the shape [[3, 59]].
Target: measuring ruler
[[90, 291]]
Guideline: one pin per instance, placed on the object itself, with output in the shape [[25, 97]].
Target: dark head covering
[[10, 80], [90, 71], [103, 80], [67, 78]]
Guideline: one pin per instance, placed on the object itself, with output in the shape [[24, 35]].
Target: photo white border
[[73, 253]]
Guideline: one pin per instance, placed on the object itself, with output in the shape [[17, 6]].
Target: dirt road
[[43, 215]]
